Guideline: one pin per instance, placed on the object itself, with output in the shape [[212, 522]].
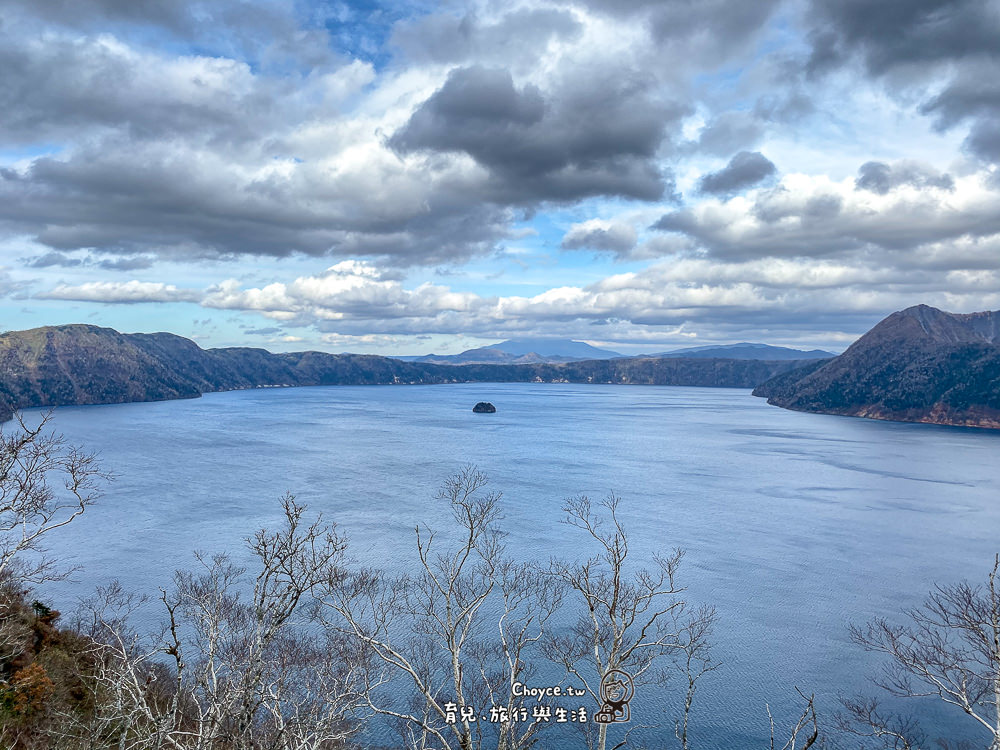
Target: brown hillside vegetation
[[918, 365]]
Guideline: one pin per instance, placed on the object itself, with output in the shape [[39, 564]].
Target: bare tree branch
[[948, 648], [630, 620]]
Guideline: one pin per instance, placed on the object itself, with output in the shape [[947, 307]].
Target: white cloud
[[354, 303], [121, 292], [598, 234], [814, 216], [120, 146]]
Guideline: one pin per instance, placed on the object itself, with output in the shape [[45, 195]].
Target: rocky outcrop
[[484, 407]]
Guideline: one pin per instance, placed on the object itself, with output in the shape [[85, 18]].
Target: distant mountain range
[[82, 364], [530, 351], [747, 351], [918, 365], [554, 348], [521, 351]]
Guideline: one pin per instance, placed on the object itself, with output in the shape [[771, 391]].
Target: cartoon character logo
[[617, 690]]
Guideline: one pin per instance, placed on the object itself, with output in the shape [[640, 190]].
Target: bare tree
[[804, 733], [693, 660], [632, 619], [949, 649], [14, 620], [44, 485], [865, 718], [459, 630], [241, 674], [128, 691]]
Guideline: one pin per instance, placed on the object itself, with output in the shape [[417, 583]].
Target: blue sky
[[406, 178]]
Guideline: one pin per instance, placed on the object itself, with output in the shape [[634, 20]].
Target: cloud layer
[[639, 169]]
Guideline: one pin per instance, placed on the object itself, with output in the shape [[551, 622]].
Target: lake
[[795, 525]]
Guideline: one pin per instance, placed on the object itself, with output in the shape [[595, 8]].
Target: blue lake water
[[795, 525]]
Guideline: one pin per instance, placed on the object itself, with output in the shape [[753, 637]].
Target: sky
[[414, 177]]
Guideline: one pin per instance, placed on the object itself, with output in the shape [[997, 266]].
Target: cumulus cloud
[[103, 83], [11, 286], [182, 202], [488, 115], [370, 339], [596, 234], [816, 217], [189, 156], [353, 303], [746, 169], [135, 263], [126, 292], [656, 303], [598, 133], [879, 177], [889, 33], [137, 136], [55, 259], [519, 37], [705, 30], [267, 32], [728, 132], [910, 44]]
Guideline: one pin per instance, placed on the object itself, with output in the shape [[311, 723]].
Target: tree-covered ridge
[[918, 365]]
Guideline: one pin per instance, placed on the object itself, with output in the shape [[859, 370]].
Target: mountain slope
[[81, 364], [918, 365], [553, 348], [487, 355]]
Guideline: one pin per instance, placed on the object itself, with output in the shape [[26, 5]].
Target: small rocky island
[[484, 407]]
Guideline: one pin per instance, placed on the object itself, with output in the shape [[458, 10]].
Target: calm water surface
[[794, 524]]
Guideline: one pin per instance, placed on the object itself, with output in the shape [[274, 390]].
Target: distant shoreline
[[873, 417], [919, 365], [81, 364]]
